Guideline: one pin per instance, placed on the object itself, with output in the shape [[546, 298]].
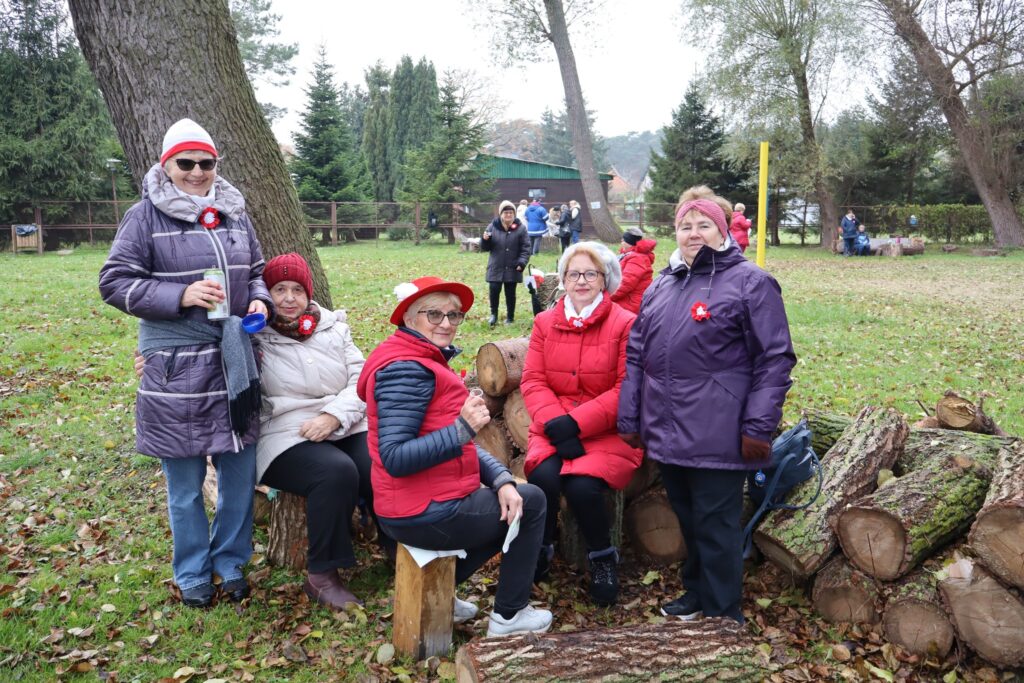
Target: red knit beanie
[[289, 266]]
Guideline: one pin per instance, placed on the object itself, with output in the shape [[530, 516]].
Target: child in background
[[861, 242]]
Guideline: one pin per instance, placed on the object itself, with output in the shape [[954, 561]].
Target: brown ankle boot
[[327, 589]]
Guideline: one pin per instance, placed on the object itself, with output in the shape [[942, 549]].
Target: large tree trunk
[[988, 616], [988, 178], [802, 540], [844, 595], [582, 139], [157, 62], [915, 618], [708, 650], [997, 536], [887, 533]]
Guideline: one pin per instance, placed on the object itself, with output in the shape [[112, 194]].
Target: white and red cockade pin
[[307, 324], [209, 218], [699, 312]]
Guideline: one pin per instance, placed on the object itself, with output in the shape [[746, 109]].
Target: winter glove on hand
[[755, 450], [561, 429], [570, 448]]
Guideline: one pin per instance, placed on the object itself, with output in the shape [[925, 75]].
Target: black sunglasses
[[188, 164]]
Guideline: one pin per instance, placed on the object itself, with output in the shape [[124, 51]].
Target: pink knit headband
[[709, 209]]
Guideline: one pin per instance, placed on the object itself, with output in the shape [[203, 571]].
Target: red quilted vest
[[395, 497]]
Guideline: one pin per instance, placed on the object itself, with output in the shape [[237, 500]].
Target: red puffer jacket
[[578, 371], [637, 269]]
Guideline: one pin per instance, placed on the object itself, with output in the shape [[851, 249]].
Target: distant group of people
[[856, 241], [690, 371]]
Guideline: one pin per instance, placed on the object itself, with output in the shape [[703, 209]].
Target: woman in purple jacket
[[199, 393], [707, 371]]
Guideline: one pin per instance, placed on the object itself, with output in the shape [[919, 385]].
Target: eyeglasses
[[435, 316], [188, 164], [588, 275]]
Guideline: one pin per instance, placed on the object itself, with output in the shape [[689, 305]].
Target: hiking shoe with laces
[[527, 620], [464, 611], [686, 608], [604, 577]]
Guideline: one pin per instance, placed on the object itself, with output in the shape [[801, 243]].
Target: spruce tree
[[377, 132], [556, 140], [413, 107], [691, 153], [327, 166]]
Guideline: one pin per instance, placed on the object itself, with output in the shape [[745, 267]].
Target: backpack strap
[[767, 505]]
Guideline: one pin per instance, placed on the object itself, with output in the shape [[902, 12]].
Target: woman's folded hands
[[563, 433]]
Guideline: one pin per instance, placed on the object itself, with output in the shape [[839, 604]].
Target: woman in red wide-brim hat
[[425, 469]]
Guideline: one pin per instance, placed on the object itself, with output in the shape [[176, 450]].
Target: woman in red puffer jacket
[[574, 367], [636, 258]]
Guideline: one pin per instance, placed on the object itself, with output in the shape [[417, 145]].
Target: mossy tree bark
[[157, 62], [915, 618], [802, 540], [707, 650], [844, 595], [997, 536]]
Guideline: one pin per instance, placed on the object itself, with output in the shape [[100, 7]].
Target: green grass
[[84, 521]]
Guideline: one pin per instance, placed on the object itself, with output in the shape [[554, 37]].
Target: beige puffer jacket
[[300, 380]]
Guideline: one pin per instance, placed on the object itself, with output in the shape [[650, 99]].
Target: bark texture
[[517, 419], [844, 595], [646, 477], [826, 428], [653, 528], [289, 541], [713, 649], [582, 138], [987, 616], [997, 536], [925, 446], [915, 618], [499, 365], [802, 540], [157, 62]]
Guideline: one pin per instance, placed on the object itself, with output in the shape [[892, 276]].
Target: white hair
[[602, 257], [429, 301]]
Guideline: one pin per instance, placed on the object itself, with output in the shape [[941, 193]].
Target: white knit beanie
[[186, 135]]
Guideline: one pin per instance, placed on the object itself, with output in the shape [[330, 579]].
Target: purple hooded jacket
[[181, 408], [692, 387]]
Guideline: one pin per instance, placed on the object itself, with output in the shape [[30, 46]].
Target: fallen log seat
[[424, 606], [288, 542], [708, 650], [653, 528]]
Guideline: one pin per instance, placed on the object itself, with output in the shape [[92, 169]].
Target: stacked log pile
[[928, 523]]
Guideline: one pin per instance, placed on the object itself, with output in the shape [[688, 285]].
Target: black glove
[[570, 448], [561, 429]]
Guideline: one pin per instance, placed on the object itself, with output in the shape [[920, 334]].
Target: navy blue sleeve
[[402, 392]]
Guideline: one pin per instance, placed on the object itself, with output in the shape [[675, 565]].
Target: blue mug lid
[[254, 322]]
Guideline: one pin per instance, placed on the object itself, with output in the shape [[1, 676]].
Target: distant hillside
[[630, 154]]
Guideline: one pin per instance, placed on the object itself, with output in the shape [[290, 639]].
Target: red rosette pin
[[209, 218], [307, 324], [699, 312]]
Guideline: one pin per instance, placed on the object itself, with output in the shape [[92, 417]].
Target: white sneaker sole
[[683, 617], [520, 632]]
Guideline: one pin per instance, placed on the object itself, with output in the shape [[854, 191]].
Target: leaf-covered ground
[[85, 590]]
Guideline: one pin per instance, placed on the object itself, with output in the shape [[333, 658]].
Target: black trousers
[[510, 298], [476, 527], [332, 475], [585, 496], [708, 504]]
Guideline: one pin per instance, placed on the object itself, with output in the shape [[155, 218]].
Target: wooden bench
[[424, 606]]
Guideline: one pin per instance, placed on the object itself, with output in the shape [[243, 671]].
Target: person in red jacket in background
[[636, 258], [739, 226], [574, 367]]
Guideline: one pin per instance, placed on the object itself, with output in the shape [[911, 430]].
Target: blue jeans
[[848, 246], [198, 551], [575, 236]]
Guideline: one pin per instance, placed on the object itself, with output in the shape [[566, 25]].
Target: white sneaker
[[464, 611], [527, 620]]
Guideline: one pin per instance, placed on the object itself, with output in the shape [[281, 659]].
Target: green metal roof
[[507, 167]]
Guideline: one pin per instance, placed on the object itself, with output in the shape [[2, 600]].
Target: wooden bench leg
[[424, 606]]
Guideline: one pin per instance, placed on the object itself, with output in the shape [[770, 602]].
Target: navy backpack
[[793, 462]]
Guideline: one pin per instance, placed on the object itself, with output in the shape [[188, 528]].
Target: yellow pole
[[762, 205]]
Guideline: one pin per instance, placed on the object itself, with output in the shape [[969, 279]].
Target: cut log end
[[987, 616], [842, 594], [653, 528], [499, 365], [998, 538], [920, 628], [873, 541]]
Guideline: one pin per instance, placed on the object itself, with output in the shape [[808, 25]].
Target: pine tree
[[377, 132], [691, 153], [443, 171], [327, 167], [556, 140], [55, 132], [265, 61]]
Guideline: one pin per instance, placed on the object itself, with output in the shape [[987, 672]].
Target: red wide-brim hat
[[408, 292]]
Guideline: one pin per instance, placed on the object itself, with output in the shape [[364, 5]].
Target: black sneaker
[[543, 569], [604, 577], [198, 596], [686, 608]]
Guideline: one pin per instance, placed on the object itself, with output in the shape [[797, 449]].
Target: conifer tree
[[377, 132], [556, 140], [413, 107]]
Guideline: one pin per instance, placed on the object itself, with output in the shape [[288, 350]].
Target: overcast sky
[[633, 66]]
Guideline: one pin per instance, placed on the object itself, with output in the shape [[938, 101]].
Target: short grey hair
[[602, 257], [429, 301]]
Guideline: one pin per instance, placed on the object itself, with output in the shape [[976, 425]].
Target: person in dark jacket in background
[[199, 393], [509, 246], [575, 221], [426, 471], [564, 230], [536, 225], [849, 227], [707, 371], [636, 258]]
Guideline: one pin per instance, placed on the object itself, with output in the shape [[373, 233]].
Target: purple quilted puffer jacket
[[181, 408], [693, 386]]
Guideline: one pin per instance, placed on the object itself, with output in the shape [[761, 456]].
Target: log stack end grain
[[843, 594], [998, 532], [915, 618], [499, 365], [987, 616]]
